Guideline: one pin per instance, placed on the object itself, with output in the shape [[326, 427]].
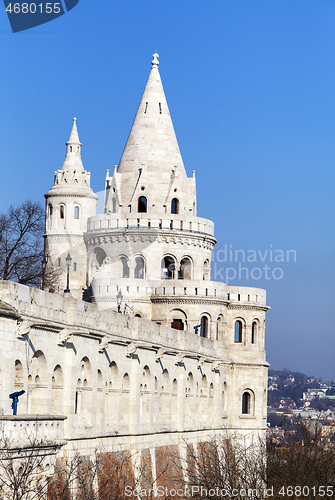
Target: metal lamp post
[[68, 264], [119, 298]]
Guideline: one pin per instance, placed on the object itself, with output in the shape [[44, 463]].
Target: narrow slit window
[[253, 332], [246, 403], [76, 212], [61, 212], [238, 332], [146, 107], [160, 108]]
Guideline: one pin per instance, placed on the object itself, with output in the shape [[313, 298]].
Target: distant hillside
[[290, 385]]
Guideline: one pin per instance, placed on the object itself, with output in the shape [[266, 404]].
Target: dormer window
[[142, 204], [175, 206]]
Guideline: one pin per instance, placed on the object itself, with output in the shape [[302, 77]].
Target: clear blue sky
[[250, 86]]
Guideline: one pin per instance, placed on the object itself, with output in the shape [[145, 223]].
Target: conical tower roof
[[72, 178], [152, 140], [151, 159]]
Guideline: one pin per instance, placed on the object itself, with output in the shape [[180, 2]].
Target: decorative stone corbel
[[64, 336], [179, 358], [201, 361], [103, 344], [24, 328], [160, 353], [216, 365], [131, 349]]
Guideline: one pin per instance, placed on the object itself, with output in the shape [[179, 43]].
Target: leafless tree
[[228, 466], [21, 243]]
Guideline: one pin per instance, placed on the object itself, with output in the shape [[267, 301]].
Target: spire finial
[[74, 119], [155, 62]]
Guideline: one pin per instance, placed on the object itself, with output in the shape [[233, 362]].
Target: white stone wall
[[123, 381]]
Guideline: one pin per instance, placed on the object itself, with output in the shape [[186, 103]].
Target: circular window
[[175, 190], [142, 188]]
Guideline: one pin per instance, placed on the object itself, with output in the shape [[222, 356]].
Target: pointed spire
[[73, 149], [152, 141], [74, 137]]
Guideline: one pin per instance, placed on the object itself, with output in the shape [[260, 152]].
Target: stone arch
[[239, 327], [145, 392], [168, 266], [185, 268], [100, 406], [142, 204], [113, 395], [248, 402], [140, 267], [203, 403], [123, 264], [57, 391], [254, 331], [174, 206], [39, 387], [18, 374], [62, 211], [205, 321], [100, 256], [178, 319], [164, 400], [86, 377], [190, 400], [219, 327], [125, 399], [206, 270], [76, 211], [174, 402]]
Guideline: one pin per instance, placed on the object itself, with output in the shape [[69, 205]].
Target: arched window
[[113, 205], [184, 272], [142, 204], [139, 272], [125, 267], [168, 266], [246, 403], [218, 327], [175, 206], [205, 274], [204, 327], [62, 212], [76, 212], [100, 255], [253, 332], [50, 210], [238, 331]]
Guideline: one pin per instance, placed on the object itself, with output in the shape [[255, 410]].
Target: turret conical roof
[[152, 140], [151, 164]]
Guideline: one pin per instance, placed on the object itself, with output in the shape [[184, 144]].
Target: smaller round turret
[[69, 203]]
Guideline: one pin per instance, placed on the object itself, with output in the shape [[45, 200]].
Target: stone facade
[[186, 357]]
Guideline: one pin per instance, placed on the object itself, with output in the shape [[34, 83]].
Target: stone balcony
[[44, 433]]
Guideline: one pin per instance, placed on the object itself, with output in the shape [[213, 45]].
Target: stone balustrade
[[173, 222], [26, 431]]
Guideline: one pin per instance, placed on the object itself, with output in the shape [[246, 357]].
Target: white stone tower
[[69, 203]]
